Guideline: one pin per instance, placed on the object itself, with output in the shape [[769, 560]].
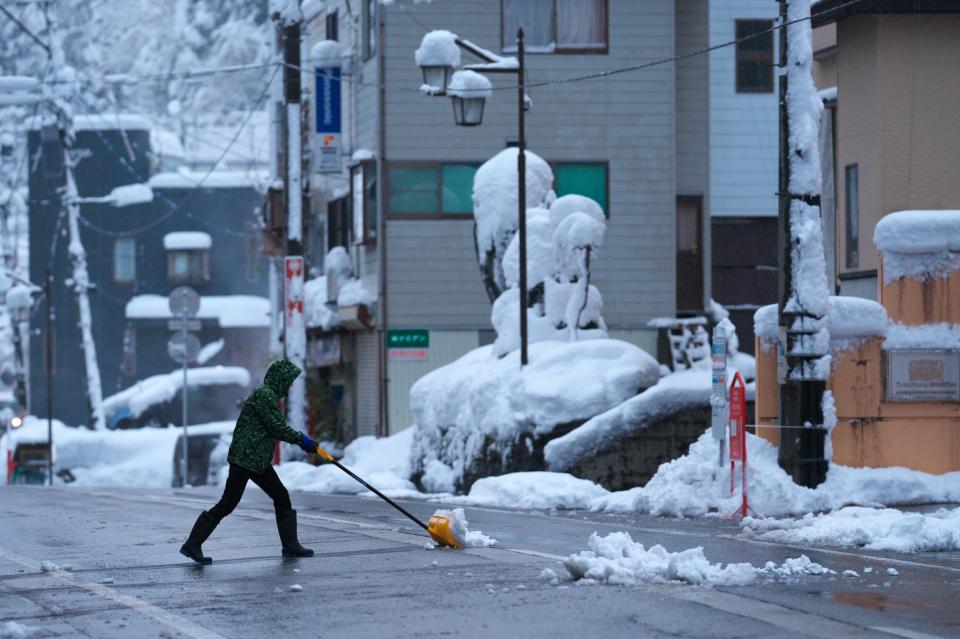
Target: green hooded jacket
[[261, 423]]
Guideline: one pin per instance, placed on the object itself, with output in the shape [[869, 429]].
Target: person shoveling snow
[[258, 428]]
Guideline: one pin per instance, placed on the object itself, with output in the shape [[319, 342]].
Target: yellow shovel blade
[[439, 529]]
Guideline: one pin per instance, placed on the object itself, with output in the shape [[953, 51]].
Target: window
[[555, 26], [363, 191], [338, 223], [369, 28], [853, 216], [431, 189], [582, 178], [188, 266], [333, 26], [754, 56], [124, 260]]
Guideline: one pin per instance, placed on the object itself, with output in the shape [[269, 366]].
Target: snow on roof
[[469, 84], [847, 318], [325, 52], [918, 232], [162, 388], [316, 311], [215, 180], [312, 8], [187, 241], [232, 311], [101, 122], [363, 154], [438, 48], [927, 336]]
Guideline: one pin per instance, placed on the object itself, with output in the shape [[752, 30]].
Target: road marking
[[903, 632], [781, 616], [175, 621]]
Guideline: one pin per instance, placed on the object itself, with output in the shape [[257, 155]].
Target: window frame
[[752, 57], [367, 170], [606, 187], [557, 50], [370, 24], [438, 169], [133, 260], [340, 222], [851, 216], [200, 275], [332, 24]]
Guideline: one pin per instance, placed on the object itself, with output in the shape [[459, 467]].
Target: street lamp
[[126, 195], [469, 89]]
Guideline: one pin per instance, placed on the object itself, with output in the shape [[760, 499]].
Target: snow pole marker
[[738, 437]]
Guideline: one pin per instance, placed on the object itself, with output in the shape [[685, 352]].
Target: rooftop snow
[[846, 317], [162, 388], [231, 311], [215, 180], [918, 232], [187, 241], [166, 143], [101, 122]]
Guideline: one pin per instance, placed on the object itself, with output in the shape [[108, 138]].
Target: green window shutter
[[414, 190], [457, 190], [589, 180]]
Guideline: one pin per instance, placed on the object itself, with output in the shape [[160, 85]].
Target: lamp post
[[468, 97]]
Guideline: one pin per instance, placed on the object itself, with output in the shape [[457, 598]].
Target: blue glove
[[308, 444]]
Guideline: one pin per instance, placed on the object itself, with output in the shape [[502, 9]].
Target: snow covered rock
[[625, 446], [483, 415]]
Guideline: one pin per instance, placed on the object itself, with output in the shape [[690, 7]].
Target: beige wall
[[898, 102]]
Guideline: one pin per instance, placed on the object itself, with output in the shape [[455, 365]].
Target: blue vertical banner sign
[[328, 134]]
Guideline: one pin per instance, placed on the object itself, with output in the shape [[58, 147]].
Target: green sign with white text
[[408, 345]]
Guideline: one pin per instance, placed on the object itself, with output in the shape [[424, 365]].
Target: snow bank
[[672, 393], [461, 532], [919, 244], [480, 400], [14, 630], [533, 490], [617, 559], [438, 48], [871, 528], [187, 241], [384, 463], [469, 84], [129, 458], [162, 388], [231, 311], [693, 485]]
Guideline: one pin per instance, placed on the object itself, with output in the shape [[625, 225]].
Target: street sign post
[[718, 394], [184, 347]]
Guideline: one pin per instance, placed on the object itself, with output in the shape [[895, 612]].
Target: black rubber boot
[[201, 530], [287, 527]]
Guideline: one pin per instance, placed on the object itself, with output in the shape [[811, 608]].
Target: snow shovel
[[439, 527]]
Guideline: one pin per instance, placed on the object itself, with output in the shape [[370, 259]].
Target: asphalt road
[[373, 576]]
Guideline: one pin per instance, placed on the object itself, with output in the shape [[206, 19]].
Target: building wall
[[743, 126], [896, 119]]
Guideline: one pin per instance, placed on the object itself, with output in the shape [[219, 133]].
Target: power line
[[25, 29]]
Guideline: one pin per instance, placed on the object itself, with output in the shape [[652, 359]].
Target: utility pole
[[48, 338], [289, 21], [803, 358]]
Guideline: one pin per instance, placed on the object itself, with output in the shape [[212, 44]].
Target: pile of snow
[[603, 432], [871, 528], [321, 302], [849, 321], [482, 401], [461, 532], [230, 311], [533, 490], [617, 559], [326, 53], [187, 241], [384, 463], [919, 244], [438, 49], [469, 84], [795, 566], [129, 458], [693, 485], [14, 630], [162, 388]]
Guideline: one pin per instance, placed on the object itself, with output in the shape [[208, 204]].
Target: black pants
[[237, 481]]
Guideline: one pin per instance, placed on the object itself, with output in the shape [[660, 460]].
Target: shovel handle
[[327, 457]]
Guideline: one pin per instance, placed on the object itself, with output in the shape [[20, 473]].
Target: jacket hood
[[280, 376]]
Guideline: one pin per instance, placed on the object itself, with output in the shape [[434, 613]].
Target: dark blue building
[[206, 236]]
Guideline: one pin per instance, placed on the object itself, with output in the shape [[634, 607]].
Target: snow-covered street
[[374, 577]]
